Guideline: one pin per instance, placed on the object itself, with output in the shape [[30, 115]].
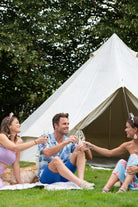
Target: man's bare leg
[[78, 159], [57, 166]]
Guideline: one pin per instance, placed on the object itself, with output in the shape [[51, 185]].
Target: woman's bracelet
[[35, 142]]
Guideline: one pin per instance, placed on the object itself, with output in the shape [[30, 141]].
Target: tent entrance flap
[[108, 129]]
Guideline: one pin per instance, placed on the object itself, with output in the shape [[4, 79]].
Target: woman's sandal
[[121, 190], [105, 190]]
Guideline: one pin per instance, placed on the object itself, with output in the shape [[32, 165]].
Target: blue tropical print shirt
[[64, 153]]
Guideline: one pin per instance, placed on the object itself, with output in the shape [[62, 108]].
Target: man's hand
[[72, 139]]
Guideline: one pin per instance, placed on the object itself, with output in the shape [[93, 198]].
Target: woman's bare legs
[[125, 184], [112, 180]]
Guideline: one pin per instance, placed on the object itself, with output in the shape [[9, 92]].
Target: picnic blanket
[[31, 171], [54, 186]]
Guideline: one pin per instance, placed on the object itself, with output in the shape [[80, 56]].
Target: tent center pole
[[109, 132]]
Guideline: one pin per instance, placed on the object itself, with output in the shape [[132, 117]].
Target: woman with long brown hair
[[11, 145]]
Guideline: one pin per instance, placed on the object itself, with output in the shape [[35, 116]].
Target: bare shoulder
[[126, 144], [19, 140], [2, 137], [2, 134]]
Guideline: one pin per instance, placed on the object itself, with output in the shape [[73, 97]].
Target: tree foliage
[[43, 42]]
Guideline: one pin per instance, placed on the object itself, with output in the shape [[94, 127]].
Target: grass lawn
[[38, 197]]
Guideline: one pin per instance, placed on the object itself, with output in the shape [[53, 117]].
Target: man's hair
[[57, 117]]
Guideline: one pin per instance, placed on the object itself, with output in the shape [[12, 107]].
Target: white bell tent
[[97, 97]]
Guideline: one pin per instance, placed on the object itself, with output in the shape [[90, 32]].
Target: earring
[[135, 136]]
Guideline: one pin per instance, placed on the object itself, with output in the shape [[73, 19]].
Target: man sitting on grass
[[56, 163]]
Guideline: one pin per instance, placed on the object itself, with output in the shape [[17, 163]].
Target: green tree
[[24, 80], [43, 42]]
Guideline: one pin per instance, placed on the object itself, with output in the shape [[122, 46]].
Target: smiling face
[[63, 126], [15, 126], [130, 131]]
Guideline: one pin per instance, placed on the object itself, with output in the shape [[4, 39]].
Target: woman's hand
[[88, 145], [132, 169], [82, 147], [42, 139]]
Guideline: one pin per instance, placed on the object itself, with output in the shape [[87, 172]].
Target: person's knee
[[81, 153], [54, 164], [121, 164], [122, 161], [56, 160]]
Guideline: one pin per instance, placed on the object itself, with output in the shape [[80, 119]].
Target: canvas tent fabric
[[94, 98]]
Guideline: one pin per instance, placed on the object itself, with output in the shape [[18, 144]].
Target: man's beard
[[63, 132]]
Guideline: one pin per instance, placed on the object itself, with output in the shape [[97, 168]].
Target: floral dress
[[121, 168]]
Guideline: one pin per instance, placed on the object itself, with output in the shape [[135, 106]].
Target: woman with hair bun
[[124, 171]]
